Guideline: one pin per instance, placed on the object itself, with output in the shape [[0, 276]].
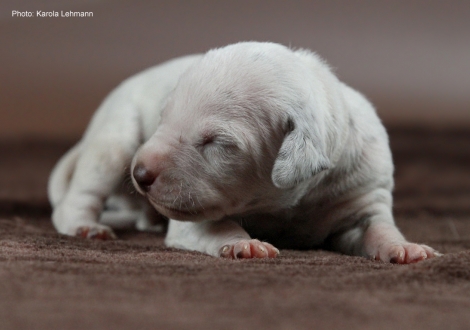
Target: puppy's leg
[[377, 237], [222, 238], [97, 172], [107, 149]]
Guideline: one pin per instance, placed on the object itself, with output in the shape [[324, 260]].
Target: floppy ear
[[302, 154]]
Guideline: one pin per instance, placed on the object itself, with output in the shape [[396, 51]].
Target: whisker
[[199, 202], [179, 194]]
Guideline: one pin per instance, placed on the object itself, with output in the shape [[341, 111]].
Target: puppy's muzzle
[[144, 177]]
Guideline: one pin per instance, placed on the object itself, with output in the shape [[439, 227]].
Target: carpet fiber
[[49, 281]]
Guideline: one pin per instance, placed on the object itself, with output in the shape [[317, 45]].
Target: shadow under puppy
[[246, 142]]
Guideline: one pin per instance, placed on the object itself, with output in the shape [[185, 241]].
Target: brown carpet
[[48, 281]]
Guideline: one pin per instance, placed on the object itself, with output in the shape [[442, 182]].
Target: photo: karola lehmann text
[[41, 13]]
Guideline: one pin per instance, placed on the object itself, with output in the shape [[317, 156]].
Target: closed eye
[[221, 144], [223, 139], [209, 139]]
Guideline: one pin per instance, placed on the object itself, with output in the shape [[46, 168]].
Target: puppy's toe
[[242, 250], [246, 249], [95, 232]]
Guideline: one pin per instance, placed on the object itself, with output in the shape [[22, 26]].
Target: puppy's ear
[[302, 154]]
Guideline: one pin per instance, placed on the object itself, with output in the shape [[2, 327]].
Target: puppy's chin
[[187, 214]]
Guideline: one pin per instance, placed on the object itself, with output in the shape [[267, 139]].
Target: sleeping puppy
[[244, 145]]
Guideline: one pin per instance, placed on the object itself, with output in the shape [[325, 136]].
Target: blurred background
[[411, 58]]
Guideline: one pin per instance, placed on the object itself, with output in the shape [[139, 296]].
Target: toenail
[[225, 248]]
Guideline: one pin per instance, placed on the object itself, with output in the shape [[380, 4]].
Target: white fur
[[249, 140]]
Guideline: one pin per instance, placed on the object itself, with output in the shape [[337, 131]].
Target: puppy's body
[[248, 141]]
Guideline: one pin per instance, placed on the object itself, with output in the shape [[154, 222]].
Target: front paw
[[95, 232], [245, 249], [404, 253]]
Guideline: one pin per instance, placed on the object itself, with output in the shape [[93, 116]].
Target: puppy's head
[[237, 132]]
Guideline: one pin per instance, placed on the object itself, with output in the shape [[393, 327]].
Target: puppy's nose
[[143, 177]]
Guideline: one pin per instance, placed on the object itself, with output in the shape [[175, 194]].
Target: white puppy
[[252, 140]]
